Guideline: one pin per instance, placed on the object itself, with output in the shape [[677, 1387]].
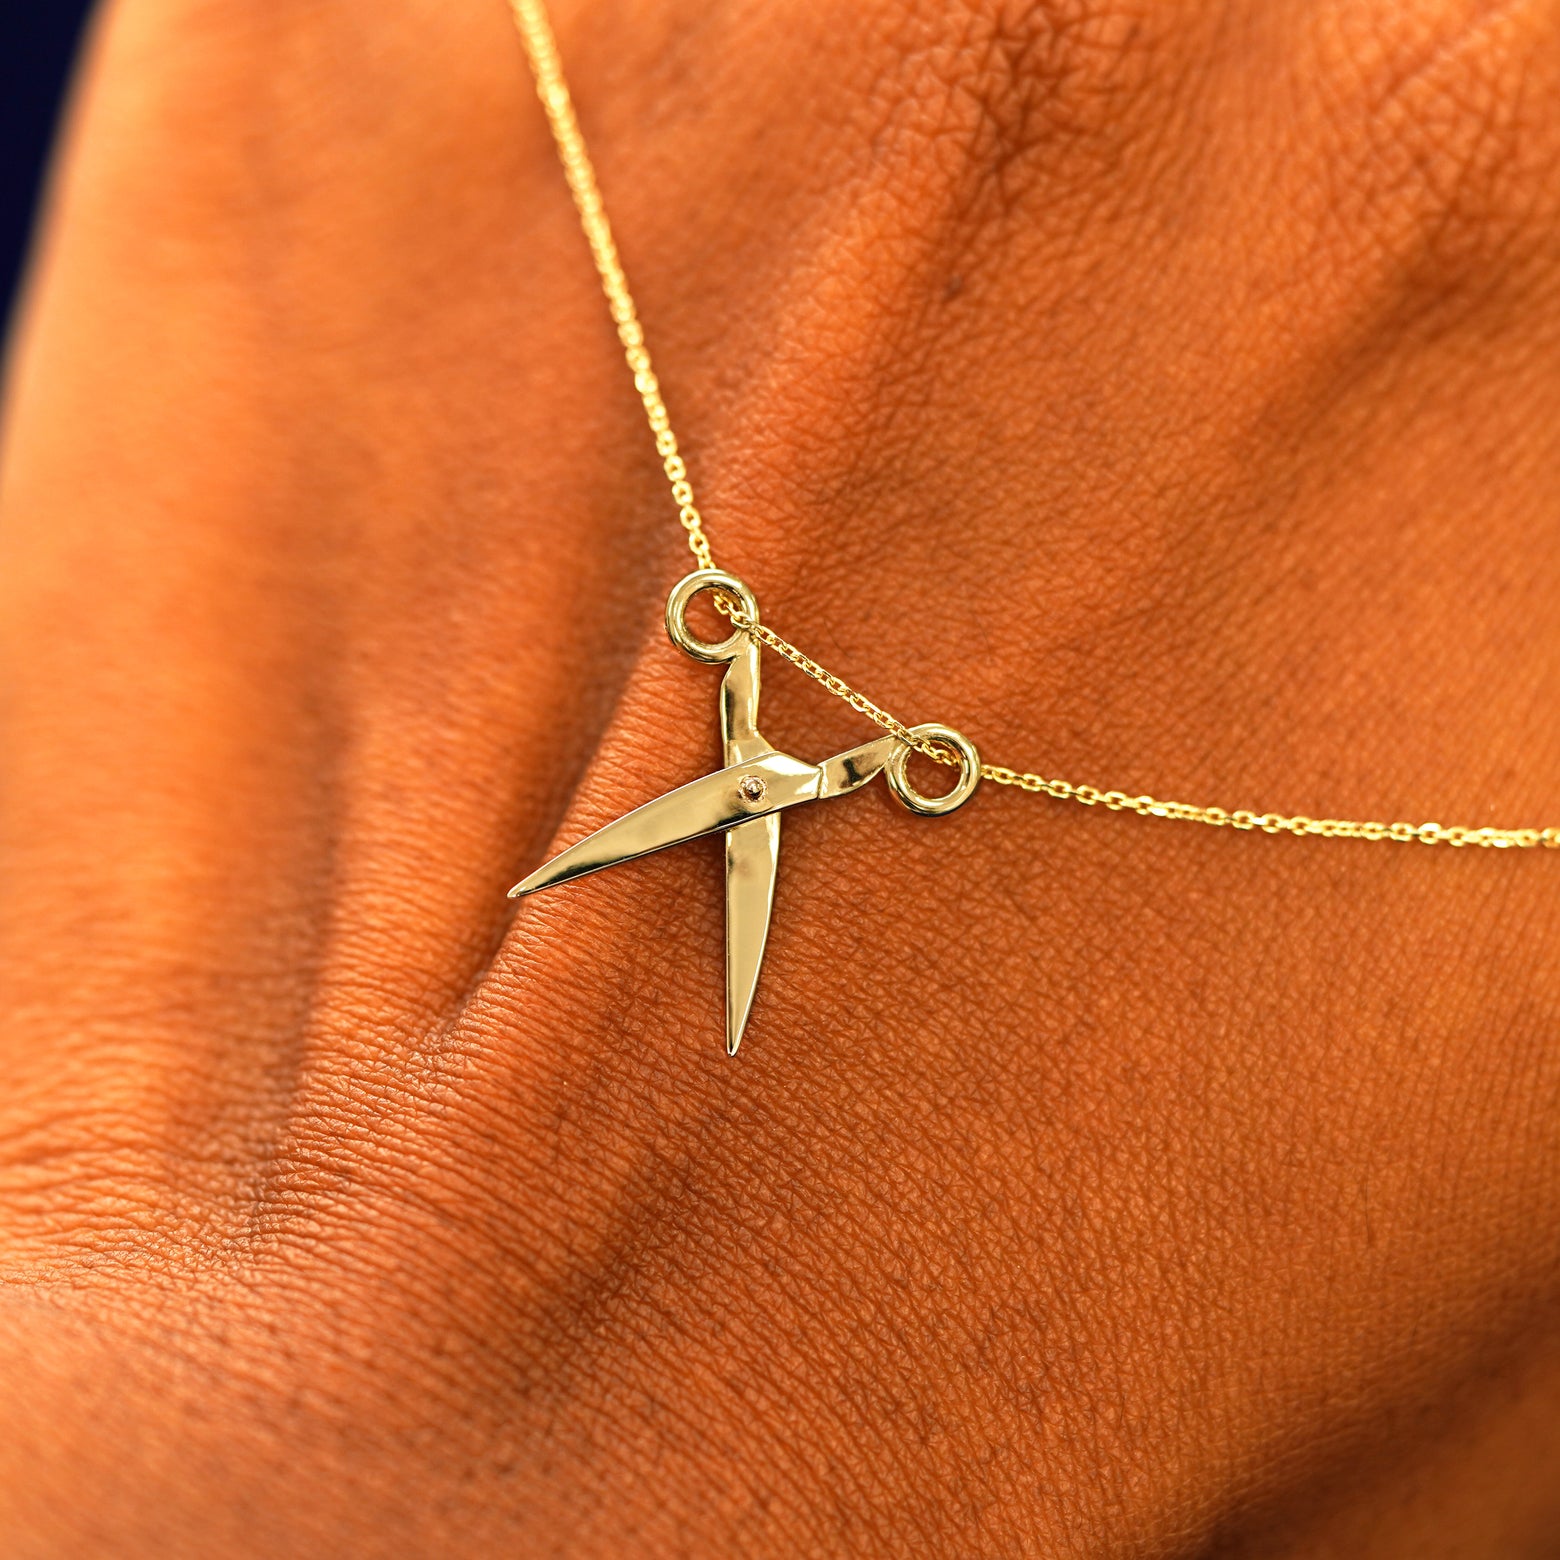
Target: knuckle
[[1037, 98]]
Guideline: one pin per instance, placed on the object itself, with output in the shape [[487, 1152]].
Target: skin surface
[[1162, 393]]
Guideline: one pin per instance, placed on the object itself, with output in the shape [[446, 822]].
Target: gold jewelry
[[744, 799], [542, 50]]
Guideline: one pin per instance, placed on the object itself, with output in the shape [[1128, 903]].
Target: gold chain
[[542, 50]]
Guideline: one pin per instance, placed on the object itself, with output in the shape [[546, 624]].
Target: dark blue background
[[37, 43]]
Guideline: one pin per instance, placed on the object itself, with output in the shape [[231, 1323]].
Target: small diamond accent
[[751, 788]]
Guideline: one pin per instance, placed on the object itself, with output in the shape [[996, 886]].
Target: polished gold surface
[[542, 50], [729, 587], [708, 805], [943, 738], [745, 799], [752, 848]]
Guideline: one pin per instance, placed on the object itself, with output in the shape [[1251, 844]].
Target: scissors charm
[[745, 799]]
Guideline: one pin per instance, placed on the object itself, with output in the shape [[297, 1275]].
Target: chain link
[[1151, 806], [542, 50]]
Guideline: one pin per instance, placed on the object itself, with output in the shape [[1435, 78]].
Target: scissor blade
[[752, 858], [703, 806], [739, 705], [847, 772]]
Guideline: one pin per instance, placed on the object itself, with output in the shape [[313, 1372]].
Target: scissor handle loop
[[964, 787], [684, 591]]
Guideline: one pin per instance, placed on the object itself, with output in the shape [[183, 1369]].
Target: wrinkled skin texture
[[1164, 393]]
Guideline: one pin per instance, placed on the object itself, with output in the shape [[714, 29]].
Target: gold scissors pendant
[[746, 798]]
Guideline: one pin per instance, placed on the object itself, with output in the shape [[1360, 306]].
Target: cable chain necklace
[[542, 50]]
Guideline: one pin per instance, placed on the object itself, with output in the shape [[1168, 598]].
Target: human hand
[[1160, 393]]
